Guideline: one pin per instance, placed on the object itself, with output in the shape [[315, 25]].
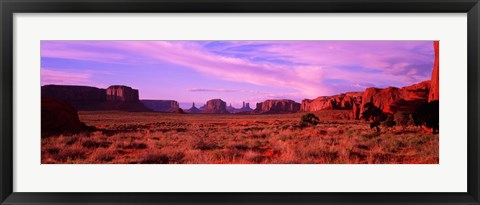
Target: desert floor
[[159, 138]]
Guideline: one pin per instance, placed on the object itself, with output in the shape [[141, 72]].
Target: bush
[[309, 119], [373, 114], [403, 119], [389, 122], [428, 115]]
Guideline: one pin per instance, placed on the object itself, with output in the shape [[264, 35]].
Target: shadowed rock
[[59, 117], [73, 93], [193, 109], [180, 111], [90, 98], [245, 108], [161, 105]]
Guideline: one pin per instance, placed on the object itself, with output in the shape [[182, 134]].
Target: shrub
[[373, 114], [154, 158], [202, 144], [131, 145], [309, 119], [403, 119], [95, 144], [428, 115], [389, 122], [102, 155], [70, 153]]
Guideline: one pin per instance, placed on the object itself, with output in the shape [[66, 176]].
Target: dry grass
[[158, 138]]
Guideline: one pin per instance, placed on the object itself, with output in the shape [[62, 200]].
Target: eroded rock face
[[393, 99], [121, 93], [355, 114], [435, 82], [73, 93], [216, 106], [342, 101], [162, 105], [277, 107], [59, 117]]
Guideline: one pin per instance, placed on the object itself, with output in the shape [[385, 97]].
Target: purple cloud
[[49, 76], [306, 69]]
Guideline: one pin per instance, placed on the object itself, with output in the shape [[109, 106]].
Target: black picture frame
[[10, 7]]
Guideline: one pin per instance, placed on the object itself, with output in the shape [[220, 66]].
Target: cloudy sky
[[236, 71]]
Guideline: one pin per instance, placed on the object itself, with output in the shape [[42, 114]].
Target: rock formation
[[216, 106], [342, 101], [355, 114], [162, 105], [231, 109], [179, 111], [59, 117], [277, 107], [121, 93], [73, 93], [193, 109], [393, 99], [245, 108], [90, 98], [435, 82]]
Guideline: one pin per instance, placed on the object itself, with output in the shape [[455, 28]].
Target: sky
[[236, 71]]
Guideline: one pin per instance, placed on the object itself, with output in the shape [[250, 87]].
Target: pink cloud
[[229, 68], [57, 77], [302, 65]]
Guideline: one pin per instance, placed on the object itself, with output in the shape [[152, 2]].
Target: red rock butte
[[216, 106], [277, 107], [121, 93]]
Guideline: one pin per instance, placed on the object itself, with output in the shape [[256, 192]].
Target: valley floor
[[160, 138]]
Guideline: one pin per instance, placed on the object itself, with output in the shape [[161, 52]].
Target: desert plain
[[160, 138]]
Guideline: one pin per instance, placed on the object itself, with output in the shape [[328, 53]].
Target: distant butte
[[193, 109], [116, 97], [216, 106], [277, 107]]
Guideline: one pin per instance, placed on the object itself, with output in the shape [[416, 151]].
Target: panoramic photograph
[[239, 102]]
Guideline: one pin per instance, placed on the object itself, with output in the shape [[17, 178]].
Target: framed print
[[252, 102]]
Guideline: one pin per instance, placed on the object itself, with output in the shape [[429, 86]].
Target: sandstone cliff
[[435, 82], [277, 107], [344, 101], [393, 99], [121, 93]]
